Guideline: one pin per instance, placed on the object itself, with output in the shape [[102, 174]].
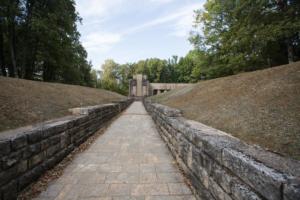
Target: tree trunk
[[31, 44], [290, 53], [12, 42], [2, 61]]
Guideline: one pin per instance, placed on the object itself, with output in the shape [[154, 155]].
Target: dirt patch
[[24, 102], [261, 107]]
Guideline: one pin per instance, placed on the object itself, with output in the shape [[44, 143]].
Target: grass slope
[[261, 107], [24, 102]]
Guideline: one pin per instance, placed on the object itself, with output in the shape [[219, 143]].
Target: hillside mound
[[261, 107], [24, 102]]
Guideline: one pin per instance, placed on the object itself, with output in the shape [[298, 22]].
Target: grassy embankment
[[261, 107], [24, 102]]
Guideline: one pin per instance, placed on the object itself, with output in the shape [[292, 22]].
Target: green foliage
[[245, 35], [39, 40]]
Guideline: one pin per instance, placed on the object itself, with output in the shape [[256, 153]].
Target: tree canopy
[[40, 40], [246, 35]]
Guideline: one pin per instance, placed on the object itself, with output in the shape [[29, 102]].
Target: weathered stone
[[31, 150], [48, 130], [22, 166], [52, 150], [36, 159], [54, 139], [34, 136], [29, 177], [242, 192], [18, 142], [167, 111], [265, 180], [217, 191], [10, 191], [45, 144], [291, 190], [11, 159], [65, 140], [4, 147], [7, 175]]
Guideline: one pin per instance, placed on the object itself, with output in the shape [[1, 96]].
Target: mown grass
[[24, 102], [261, 107]]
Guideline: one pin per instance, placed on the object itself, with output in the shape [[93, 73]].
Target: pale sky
[[131, 30]]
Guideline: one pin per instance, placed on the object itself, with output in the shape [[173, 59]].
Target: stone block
[[36, 159], [65, 140], [222, 177], [45, 144], [18, 142], [32, 150], [34, 136], [240, 191], [11, 159], [8, 175], [5, 147], [167, 111], [217, 191], [29, 177], [22, 166], [52, 150], [291, 189], [54, 139], [48, 131], [48, 163], [10, 191], [265, 180]]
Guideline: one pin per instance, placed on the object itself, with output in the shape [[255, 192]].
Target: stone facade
[[26, 153], [139, 86], [221, 167]]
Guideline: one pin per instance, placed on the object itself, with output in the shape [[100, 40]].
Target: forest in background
[[231, 37], [39, 40]]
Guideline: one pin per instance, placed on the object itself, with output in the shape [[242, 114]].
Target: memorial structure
[[140, 87]]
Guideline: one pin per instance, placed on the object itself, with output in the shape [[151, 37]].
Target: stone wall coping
[[76, 114], [88, 109], [168, 111], [13, 133]]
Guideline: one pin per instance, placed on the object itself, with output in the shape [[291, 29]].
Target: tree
[[246, 35], [40, 40], [109, 77]]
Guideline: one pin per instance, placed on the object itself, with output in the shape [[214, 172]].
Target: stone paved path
[[128, 162]]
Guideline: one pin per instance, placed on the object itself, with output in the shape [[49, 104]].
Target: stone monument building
[[140, 87]]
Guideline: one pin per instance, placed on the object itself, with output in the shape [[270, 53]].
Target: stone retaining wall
[[222, 167], [26, 153]]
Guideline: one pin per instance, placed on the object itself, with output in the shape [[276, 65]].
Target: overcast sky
[[130, 30]]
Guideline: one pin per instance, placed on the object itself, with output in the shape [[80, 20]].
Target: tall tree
[[2, 61], [40, 40], [245, 35]]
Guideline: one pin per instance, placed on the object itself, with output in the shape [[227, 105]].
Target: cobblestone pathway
[[128, 162]]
